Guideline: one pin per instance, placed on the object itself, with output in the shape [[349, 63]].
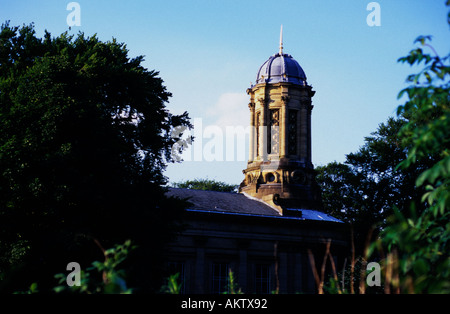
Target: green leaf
[[421, 266], [422, 39], [59, 289], [33, 287]]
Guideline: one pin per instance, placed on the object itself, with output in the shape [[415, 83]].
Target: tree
[[206, 184], [85, 140], [420, 244], [364, 189], [414, 242]]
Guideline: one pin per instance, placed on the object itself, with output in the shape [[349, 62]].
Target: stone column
[[309, 145], [243, 269], [305, 131], [199, 271], [284, 127], [301, 133], [263, 130], [252, 140]]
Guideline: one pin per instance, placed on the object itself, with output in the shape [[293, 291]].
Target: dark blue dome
[[281, 68]]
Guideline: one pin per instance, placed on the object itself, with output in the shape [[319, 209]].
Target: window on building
[[220, 277], [273, 133], [262, 279]]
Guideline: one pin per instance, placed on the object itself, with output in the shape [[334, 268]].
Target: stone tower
[[279, 170]]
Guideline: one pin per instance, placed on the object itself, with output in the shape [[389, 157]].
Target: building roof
[[223, 202], [239, 204], [281, 67]]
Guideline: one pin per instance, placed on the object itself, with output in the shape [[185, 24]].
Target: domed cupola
[[281, 67], [279, 170]]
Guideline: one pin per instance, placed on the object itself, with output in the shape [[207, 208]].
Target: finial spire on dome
[[281, 40]]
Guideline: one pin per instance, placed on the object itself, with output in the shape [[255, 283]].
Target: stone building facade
[[271, 233], [265, 251]]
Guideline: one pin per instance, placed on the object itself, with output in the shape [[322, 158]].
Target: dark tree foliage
[[400, 181], [206, 184], [420, 242], [366, 188], [85, 138]]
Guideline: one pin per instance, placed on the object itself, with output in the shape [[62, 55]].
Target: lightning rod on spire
[[281, 40]]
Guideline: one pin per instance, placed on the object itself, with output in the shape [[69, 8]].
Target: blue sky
[[208, 52]]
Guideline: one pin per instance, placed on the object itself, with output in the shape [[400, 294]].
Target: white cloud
[[230, 110]]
